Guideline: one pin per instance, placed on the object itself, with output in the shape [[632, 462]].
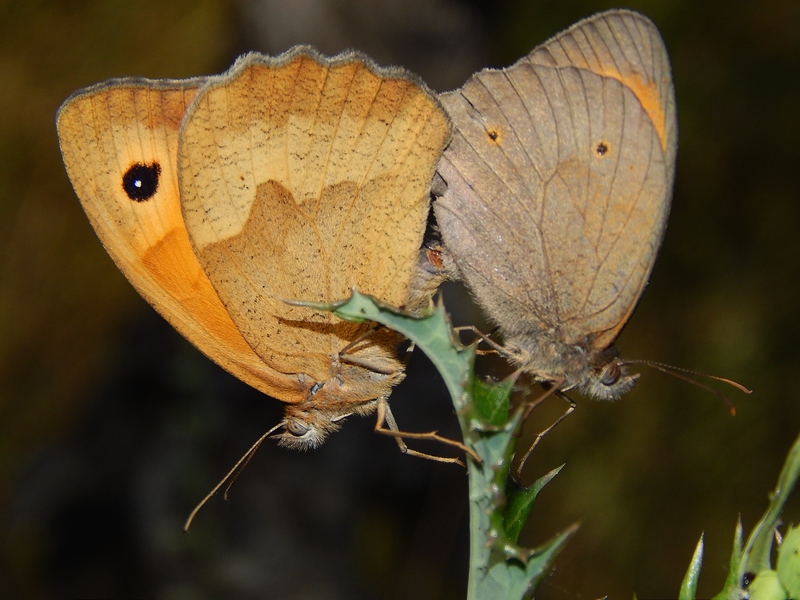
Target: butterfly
[[293, 177], [555, 192]]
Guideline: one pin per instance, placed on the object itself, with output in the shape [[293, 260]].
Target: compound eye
[[296, 428], [611, 374]]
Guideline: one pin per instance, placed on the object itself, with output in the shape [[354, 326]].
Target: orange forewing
[[103, 132]]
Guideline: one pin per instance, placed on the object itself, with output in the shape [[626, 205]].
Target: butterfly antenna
[[682, 373], [233, 473]]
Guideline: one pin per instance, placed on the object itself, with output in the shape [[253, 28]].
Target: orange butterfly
[[294, 177]]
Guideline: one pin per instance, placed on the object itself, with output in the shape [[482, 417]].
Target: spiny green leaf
[[492, 400], [758, 550], [521, 501], [732, 582], [788, 566], [513, 580], [689, 585]]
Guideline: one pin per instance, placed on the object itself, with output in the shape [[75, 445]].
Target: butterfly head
[[597, 373], [307, 424], [608, 377], [305, 430]]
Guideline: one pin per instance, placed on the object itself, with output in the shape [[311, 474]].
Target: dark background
[[112, 427]]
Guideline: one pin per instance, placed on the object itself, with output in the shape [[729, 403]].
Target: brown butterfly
[[558, 185]]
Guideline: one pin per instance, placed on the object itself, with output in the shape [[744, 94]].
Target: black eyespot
[[296, 428], [493, 135], [611, 374], [140, 182], [601, 149]]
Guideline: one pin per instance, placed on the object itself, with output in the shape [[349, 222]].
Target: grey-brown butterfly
[[558, 185]]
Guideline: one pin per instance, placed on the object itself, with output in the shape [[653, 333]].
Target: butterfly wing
[[301, 178], [559, 178], [119, 143]]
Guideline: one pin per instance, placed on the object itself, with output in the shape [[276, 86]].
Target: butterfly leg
[[496, 348], [572, 406], [385, 417]]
